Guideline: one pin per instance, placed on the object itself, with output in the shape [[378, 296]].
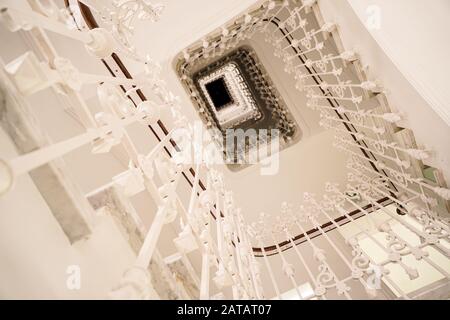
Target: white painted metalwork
[[384, 164]]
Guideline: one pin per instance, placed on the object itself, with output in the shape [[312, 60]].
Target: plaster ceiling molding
[[234, 91], [241, 106]]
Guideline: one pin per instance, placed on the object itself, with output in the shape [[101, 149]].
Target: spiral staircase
[[101, 188]]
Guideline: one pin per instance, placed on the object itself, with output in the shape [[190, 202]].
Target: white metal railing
[[226, 249], [386, 163]]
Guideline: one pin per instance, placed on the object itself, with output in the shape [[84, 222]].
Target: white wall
[[35, 253], [409, 54], [414, 34]]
